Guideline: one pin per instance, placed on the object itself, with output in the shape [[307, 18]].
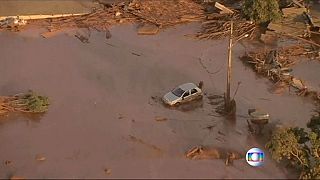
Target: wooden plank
[[224, 9], [297, 3]]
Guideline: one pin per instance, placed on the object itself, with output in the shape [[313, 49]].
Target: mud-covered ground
[[105, 97]]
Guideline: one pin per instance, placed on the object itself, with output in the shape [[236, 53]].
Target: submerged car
[[183, 93]]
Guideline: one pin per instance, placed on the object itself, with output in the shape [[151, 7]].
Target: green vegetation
[[300, 147], [261, 11], [29, 102]]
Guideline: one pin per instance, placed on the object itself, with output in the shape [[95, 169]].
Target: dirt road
[[103, 115]]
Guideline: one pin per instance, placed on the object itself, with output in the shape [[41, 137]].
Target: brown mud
[[92, 84]]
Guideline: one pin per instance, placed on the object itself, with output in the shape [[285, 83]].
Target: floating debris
[[200, 153], [7, 162], [107, 171], [158, 118], [40, 157], [29, 102]]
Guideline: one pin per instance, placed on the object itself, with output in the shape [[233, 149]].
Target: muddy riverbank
[[102, 93]]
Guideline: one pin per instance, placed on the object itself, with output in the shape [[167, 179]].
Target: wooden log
[[224, 9]]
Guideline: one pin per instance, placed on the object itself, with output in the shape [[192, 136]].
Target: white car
[[183, 93]]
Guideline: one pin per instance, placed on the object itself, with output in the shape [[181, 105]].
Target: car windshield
[[178, 92]]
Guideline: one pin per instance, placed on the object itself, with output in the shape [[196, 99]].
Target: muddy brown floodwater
[[102, 116]]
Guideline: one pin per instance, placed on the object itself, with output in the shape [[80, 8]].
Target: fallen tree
[[29, 102]]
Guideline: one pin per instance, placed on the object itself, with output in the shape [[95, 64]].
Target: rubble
[[201, 153], [161, 13], [164, 13], [217, 26], [12, 23], [275, 64]]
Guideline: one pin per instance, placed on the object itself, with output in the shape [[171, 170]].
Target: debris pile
[[217, 26], [28, 102], [12, 23], [164, 13], [276, 65], [99, 20], [199, 152]]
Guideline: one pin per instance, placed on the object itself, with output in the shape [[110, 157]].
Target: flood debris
[[276, 65], [148, 29], [50, 34], [108, 34], [107, 171], [7, 162], [161, 13], [82, 38], [165, 13], [224, 10], [259, 119], [159, 118], [12, 23], [29, 102], [201, 153], [40, 157], [217, 26]]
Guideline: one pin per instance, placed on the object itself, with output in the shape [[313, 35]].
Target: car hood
[[170, 97]]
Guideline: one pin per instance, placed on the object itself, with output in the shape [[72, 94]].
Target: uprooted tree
[[261, 11], [29, 102], [299, 147]]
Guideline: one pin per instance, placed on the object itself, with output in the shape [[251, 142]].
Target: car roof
[[187, 86]]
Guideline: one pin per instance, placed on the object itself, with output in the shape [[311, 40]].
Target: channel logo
[[255, 157]]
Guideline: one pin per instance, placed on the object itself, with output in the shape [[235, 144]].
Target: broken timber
[[224, 10]]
